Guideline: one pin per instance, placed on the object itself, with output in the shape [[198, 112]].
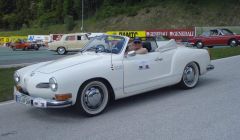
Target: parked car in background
[[106, 70], [215, 37], [38, 44], [21, 44], [69, 42]]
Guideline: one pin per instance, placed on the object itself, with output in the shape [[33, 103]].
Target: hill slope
[[155, 15]]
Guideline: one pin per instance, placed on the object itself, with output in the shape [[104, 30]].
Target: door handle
[[158, 59]]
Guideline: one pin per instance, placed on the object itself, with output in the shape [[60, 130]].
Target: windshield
[[105, 44], [227, 32], [207, 33]]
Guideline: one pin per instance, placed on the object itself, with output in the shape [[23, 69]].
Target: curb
[[17, 65]]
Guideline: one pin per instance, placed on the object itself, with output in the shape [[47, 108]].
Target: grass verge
[[6, 74], [218, 53], [6, 83]]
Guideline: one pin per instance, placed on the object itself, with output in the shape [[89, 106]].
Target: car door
[[69, 42], [226, 36], [18, 45], [215, 38], [219, 38], [81, 41], [146, 71]]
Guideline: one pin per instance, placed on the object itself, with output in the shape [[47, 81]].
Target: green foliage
[[17, 14], [24, 26], [69, 23], [6, 83], [10, 21], [48, 19]]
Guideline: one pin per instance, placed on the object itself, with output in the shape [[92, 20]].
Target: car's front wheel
[[25, 49], [61, 50], [13, 48], [190, 76], [92, 98]]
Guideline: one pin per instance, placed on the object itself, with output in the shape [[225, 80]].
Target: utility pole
[[82, 15]]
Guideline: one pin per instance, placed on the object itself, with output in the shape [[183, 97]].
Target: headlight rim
[[16, 75], [52, 81]]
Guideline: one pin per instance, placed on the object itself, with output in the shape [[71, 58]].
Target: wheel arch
[[105, 81], [61, 47], [229, 40], [200, 57], [199, 40], [199, 69]]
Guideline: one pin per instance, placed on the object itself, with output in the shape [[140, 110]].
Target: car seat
[[147, 45]]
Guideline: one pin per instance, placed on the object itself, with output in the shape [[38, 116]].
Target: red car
[[215, 37], [20, 44]]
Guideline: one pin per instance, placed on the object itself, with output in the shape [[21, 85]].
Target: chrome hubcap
[[199, 44], [61, 50], [233, 43], [93, 97], [189, 75]]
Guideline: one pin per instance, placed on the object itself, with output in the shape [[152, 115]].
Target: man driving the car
[[137, 46]]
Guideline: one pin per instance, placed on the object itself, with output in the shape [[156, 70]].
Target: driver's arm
[[142, 51]]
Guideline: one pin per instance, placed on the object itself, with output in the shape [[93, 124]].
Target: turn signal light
[[63, 97]]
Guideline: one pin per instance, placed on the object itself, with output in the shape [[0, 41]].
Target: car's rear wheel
[[61, 50], [190, 76], [199, 45], [36, 47], [92, 98], [233, 43]]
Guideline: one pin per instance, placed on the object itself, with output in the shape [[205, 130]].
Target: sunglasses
[[137, 42]]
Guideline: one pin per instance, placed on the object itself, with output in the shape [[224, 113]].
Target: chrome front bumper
[[39, 102], [210, 67]]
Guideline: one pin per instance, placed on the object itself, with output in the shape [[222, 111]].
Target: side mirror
[[131, 53]]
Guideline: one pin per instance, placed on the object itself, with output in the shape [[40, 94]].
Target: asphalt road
[[208, 112], [9, 57]]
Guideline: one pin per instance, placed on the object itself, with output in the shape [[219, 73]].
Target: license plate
[[39, 102], [24, 99]]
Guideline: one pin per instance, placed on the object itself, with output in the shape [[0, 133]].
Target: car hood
[[67, 62]]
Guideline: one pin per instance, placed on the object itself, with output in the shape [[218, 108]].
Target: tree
[[69, 22]]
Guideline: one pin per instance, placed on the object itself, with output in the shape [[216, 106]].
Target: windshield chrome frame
[[126, 39]]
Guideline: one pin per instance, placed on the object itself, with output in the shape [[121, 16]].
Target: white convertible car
[[104, 70]]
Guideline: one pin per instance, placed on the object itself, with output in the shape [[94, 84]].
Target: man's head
[[137, 43]]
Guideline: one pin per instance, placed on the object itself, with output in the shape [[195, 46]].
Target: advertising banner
[[15, 38], [3, 40], [177, 34], [41, 38], [130, 34]]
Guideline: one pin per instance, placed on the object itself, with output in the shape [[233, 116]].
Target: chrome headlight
[[53, 84], [16, 77]]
